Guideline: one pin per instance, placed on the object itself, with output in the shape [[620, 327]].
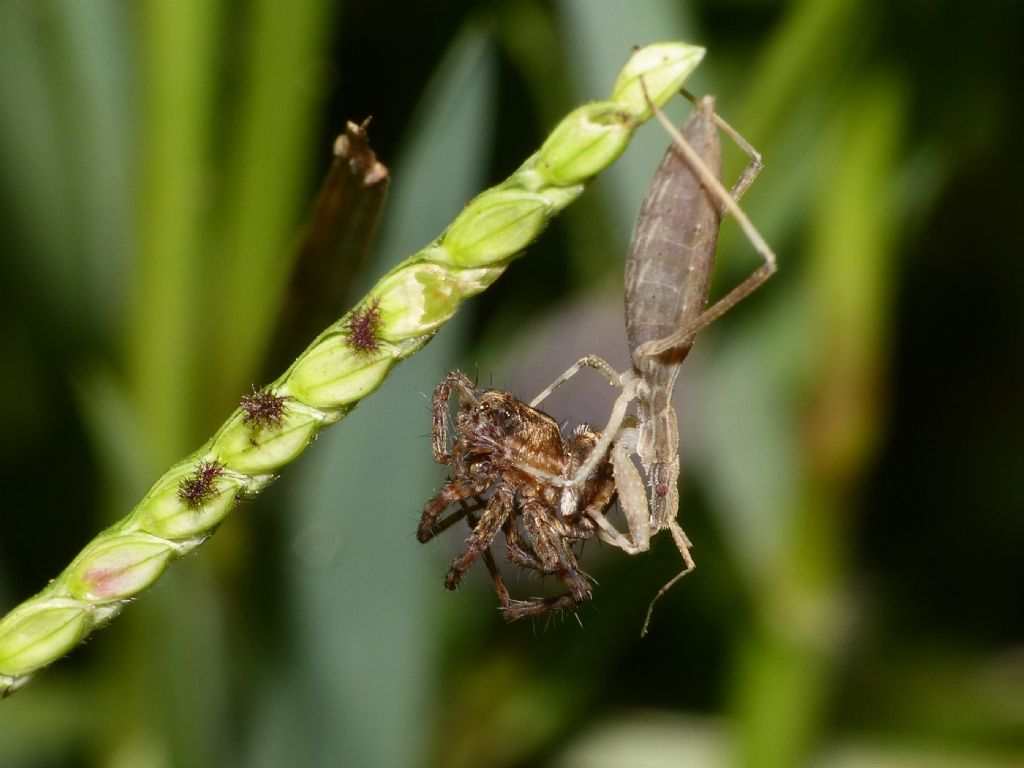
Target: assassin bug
[[668, 273]]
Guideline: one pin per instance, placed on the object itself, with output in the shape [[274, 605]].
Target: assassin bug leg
[[711, 183]]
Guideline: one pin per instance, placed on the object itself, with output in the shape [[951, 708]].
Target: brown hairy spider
[[500, 445]]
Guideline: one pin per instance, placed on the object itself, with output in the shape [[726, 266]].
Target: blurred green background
[[853, 434]]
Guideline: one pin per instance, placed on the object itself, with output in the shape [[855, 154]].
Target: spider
[[500, 442]]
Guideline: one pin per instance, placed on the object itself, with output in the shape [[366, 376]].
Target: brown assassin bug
[[668, 274]]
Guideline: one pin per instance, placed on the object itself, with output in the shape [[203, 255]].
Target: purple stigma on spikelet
[[199, 487], [362, 327], [262, 409]]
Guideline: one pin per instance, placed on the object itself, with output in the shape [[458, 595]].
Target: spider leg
[[453, 492], [499, 507], [579, 592], [551, 544], [464, 511], [499, 583], [463, 387], [519, 551], [520, 609], [545, 533]]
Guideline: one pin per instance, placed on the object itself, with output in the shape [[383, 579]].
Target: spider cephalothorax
[[501, 447]]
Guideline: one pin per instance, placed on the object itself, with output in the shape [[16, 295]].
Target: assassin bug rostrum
[[668, 274]]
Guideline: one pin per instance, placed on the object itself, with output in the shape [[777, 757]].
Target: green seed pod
[[333, 374], [37, 633], [662, 68], [494, 226], [166, 514], [118, 568], [584, 143], [254, 451]]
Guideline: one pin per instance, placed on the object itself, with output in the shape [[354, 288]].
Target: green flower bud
[[333, 374], [663, 67], [254, 450], [585, 143], [163, 513], [417, 299], [35, 634], [118, 568], [472, 281], [494, 226]]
